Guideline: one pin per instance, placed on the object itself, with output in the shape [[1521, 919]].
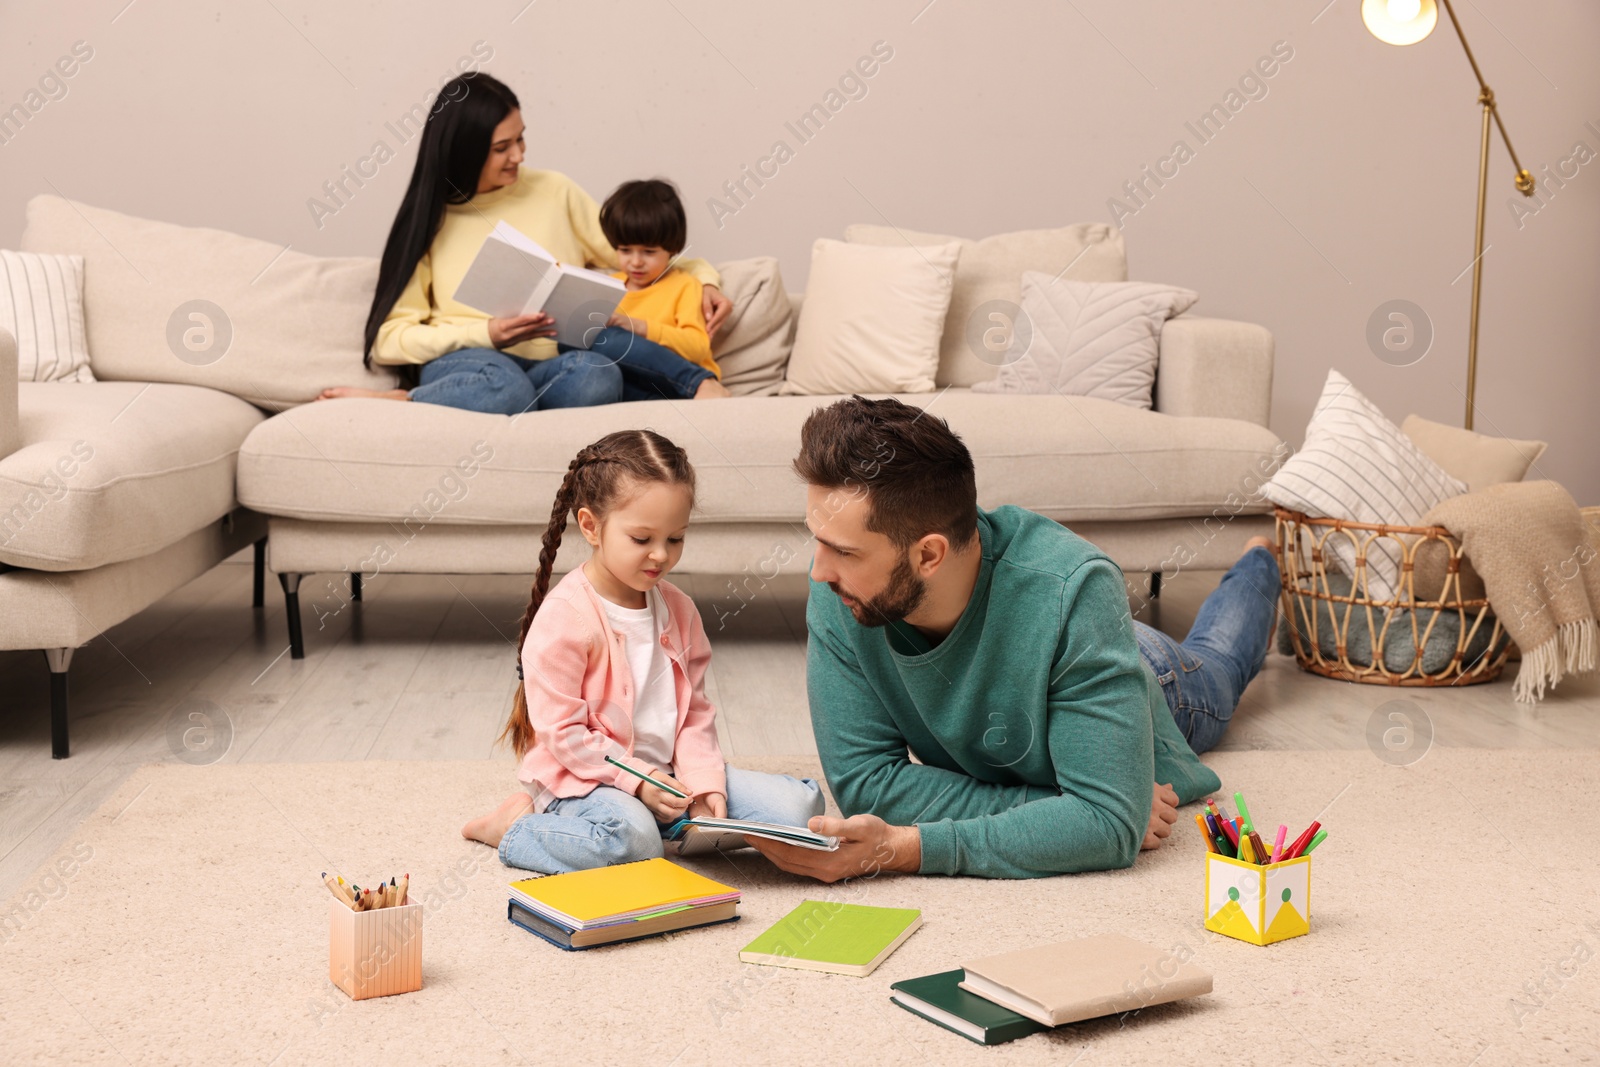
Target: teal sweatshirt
[[1039, 732]]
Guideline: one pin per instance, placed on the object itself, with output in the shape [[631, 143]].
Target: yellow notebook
[[605, 895]]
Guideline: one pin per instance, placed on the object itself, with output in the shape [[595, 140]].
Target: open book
[[695, 836], [514, 275]]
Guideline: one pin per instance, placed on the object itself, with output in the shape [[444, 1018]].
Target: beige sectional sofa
[[196, 451]]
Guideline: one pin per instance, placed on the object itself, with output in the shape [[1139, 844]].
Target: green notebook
[[939, 998], [824, 935]]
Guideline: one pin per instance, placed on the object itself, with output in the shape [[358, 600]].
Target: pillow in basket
[[1357, 465]]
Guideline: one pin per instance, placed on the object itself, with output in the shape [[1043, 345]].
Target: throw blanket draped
[[1540, 563]]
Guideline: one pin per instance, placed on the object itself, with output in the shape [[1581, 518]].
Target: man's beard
[[902, 597]]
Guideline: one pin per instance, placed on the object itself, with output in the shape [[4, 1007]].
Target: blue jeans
[[609, 826], [649, 371], [1205, 674], [497, 383]]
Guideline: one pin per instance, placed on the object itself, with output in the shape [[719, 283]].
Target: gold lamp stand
[[1404, 22]]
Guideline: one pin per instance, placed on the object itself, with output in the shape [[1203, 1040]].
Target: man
[[981, 700]]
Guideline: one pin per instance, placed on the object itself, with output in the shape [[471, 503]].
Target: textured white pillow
[[1090, 338], [41, 305], [871, 319], [989, 279], [1357, 465]]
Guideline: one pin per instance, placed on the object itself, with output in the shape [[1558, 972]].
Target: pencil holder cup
[[375, 953], [1258, 903]]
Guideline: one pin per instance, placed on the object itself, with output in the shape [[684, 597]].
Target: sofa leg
[[291, 602], [355, 586], [59, 660], [1155, 585], [258, 593]]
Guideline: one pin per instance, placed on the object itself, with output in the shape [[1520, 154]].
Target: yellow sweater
[[426, 322], [671, 306]]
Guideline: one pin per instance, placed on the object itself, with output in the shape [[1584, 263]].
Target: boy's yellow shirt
[[426, 322], [671, 305]]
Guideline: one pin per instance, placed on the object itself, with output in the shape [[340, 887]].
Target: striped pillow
[[41, 305], [1357, 465]]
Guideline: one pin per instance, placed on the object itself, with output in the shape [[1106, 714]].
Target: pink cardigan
[[580, 693]]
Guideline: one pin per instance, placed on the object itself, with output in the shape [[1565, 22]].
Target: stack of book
[[622, 903], [1014, 994]]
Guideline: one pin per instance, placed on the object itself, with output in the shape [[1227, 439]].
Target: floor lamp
[[1403, 22]]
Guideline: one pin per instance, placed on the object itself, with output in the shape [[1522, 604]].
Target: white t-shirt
[[655, 698]]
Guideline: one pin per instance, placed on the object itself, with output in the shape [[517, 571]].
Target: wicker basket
[[1305, 558]]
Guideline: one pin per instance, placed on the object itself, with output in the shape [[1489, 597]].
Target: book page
[[508, 277]]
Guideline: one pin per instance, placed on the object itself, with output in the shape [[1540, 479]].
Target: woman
[[468, 177]]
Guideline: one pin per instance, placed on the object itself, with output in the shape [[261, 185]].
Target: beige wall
[[1348, 180]]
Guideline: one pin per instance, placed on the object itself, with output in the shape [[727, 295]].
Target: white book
[[514, 275], [693, 837]]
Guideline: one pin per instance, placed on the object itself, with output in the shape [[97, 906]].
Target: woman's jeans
[[1205, 674], [618, 365], [609, 826]]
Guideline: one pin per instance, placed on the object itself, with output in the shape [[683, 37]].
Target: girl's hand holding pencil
[[663, 804]]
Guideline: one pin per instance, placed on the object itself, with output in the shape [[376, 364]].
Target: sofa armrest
[[1215, 368], [10, 423]]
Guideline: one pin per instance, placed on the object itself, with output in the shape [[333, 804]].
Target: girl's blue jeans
[[609, 826], [1205, 674]]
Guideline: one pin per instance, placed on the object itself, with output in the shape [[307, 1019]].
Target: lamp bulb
[[1404, 10]]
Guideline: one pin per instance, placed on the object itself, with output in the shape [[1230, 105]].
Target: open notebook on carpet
[[622, 903]]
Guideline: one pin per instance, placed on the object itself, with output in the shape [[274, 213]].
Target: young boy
[[657, 337]]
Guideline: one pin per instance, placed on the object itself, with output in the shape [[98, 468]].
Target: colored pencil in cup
[[337, 889], [1205, 835]]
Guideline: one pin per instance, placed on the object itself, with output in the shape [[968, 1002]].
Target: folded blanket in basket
[[1399, 643], [1538, 559]]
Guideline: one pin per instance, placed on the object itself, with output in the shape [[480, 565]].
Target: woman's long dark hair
[[455, 142]]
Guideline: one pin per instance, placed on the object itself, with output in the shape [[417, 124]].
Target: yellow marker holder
[[1258, 903]]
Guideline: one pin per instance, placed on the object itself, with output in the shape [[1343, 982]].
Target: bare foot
[[1265, 542], [492, 827], [711, 389], [340, 391]]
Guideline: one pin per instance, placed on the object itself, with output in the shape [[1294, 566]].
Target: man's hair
[[915, 471]]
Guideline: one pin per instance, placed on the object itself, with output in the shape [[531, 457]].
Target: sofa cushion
[[752, 347], [1090, 339], [41, 306], [871, 320], [989, 279], [166, 303], [1070, 458], [111, 471]]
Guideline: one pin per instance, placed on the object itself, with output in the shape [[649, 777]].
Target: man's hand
[[716, 308], [1163, 813], [867, 845]]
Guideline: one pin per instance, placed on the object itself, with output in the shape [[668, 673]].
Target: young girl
[[613, 661]]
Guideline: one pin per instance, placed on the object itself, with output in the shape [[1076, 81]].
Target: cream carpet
[[1454, 911]]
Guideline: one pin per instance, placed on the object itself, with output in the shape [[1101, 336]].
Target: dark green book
[[938, 999]]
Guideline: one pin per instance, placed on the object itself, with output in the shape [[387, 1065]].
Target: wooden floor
[[425, 668]]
